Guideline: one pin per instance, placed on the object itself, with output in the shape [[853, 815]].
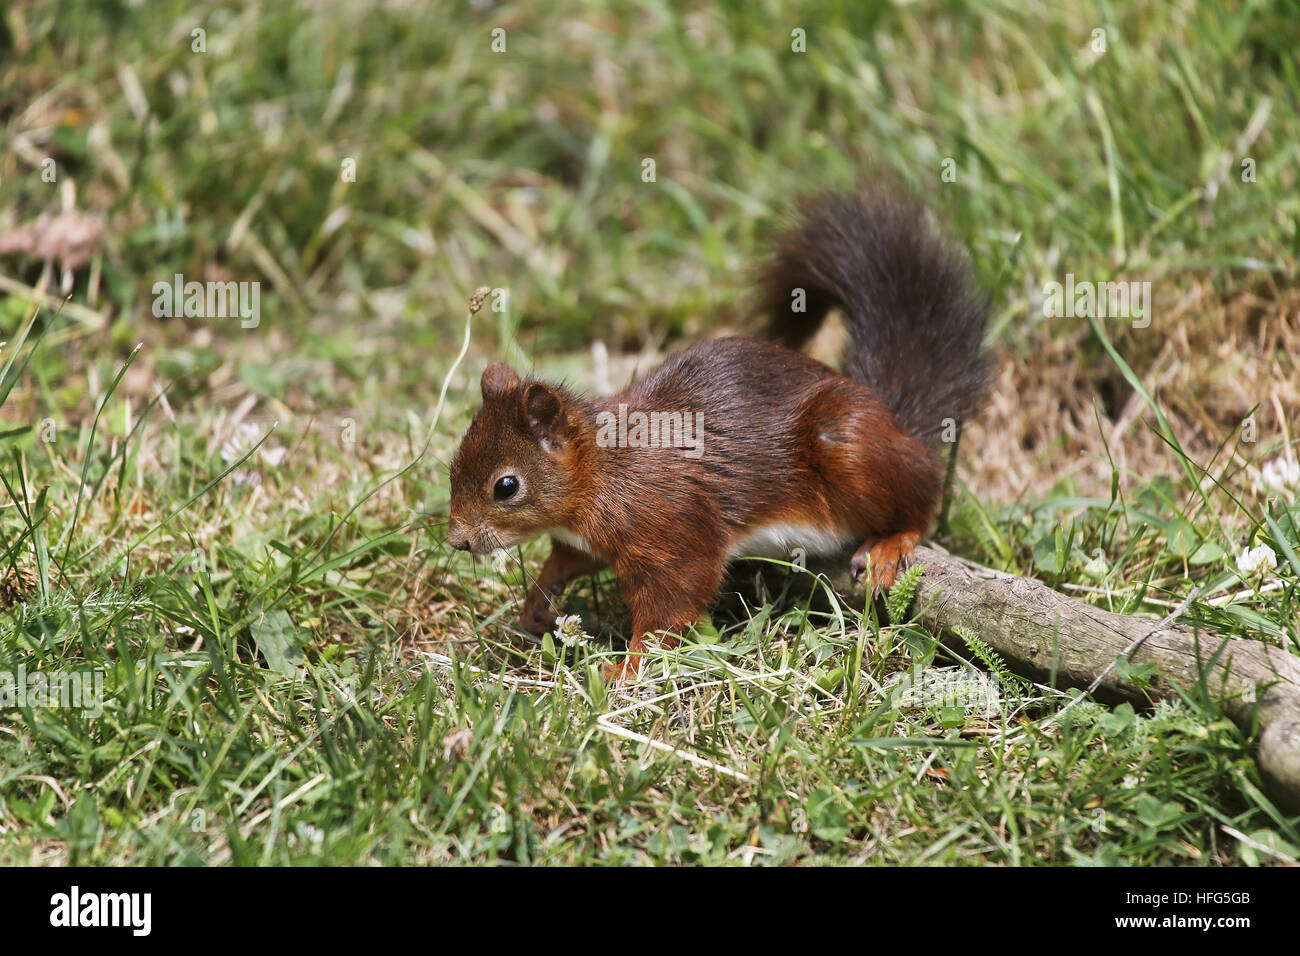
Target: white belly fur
[[772, 541], [780, 541]]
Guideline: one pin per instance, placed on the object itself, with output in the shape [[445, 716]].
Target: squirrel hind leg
[[881, 484]]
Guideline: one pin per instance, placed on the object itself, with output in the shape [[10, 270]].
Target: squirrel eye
[[505, 488]]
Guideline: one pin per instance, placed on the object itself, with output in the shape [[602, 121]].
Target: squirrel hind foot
[[885, 557]]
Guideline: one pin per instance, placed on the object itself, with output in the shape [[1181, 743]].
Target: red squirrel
[[793, 453]]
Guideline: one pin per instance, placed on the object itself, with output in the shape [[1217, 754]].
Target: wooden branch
[[1053, 639]]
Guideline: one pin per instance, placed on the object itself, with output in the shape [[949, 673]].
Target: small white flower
[[568, 630], [1280, 474], [237, 445], [1258, 560], [499, 557]]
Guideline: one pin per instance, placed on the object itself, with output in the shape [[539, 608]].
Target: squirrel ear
[[544, 407], [498, 378]]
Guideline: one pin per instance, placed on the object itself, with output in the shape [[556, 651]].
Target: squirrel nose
[[458, 537]]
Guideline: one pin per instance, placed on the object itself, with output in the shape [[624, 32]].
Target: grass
[[297, 669]]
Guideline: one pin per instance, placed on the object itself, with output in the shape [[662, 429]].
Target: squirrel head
[[512, 477]]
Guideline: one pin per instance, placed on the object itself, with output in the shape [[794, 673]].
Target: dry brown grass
[[1053, 417]]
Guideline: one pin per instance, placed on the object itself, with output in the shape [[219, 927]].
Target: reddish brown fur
[[818, 451], [788, 441]]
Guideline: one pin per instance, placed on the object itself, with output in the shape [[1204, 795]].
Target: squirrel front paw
[[538, 617], [618, 673], [624, 671]]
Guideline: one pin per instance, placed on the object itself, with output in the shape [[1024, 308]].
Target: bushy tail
[[915, 320]]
